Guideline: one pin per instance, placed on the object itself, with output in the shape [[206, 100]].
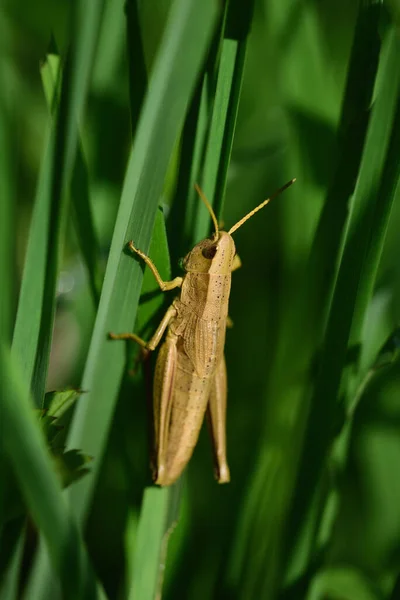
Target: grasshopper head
[[212, 255], [216, 254]]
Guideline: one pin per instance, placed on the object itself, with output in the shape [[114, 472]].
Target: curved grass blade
[[224, 111], [7, 192], [230, 77], [26, 449], [9, 578], [137, 64], [82, 214]]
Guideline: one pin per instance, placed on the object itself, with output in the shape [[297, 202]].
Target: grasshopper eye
[[209, 252]]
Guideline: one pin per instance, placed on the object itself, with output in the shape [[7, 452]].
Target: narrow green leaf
[[137, 64], [33, 286], [150, 533], [342, 582], [224, 112], [83, 219], [7, 195], [10, 581], [57, 403]]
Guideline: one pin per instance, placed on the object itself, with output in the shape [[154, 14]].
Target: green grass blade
[[208, 134], [82, 214], [33, 286], [150, 532], [32, 333], [84, 224], [224, 112], [137, 65], [181, 53], [182, 218], [158, 518], [10, 581], [232, 64], [352, 131], [7, 269], [380, 217], [7, 249], [26, 449]]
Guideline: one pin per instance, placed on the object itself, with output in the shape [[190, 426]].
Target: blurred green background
[[313, 425]]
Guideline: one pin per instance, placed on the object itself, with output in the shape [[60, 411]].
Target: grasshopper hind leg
[[216, 420], [164, 380]]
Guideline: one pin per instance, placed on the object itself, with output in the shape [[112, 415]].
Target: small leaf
[[58, 402], [71, 466]]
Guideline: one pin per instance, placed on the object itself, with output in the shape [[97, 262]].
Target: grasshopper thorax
[[212, 255]]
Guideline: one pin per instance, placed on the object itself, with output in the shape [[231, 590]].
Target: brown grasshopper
[[190, 375]]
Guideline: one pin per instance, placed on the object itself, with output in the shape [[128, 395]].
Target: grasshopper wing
[[216, 419]]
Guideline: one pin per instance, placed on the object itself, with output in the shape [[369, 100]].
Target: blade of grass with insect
[[180, 56], [159, 511], [152, 522], [216, 138], [26, 449], [362, 230]]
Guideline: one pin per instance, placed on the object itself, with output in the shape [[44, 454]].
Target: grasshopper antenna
[[260, 206], [209, 208]]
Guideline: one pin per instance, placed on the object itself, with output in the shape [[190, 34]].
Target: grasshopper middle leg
[[155, 339]]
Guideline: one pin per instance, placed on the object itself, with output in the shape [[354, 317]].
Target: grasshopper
[[190, 376]]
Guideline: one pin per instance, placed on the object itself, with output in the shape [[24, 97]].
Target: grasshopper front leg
[[165, 286]]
